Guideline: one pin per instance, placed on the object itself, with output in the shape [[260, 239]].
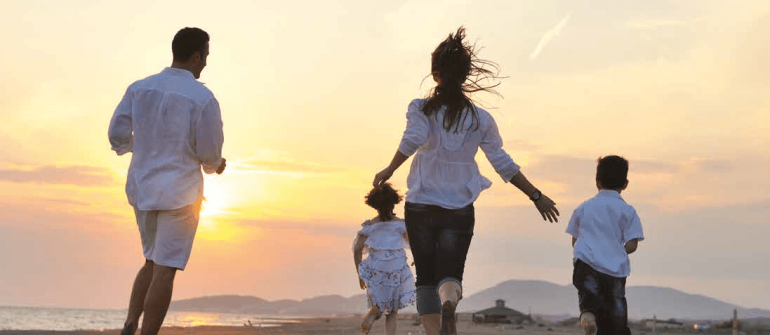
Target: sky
[[313, 98]]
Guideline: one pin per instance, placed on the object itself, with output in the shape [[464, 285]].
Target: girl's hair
[[383, 198], [459, 72]]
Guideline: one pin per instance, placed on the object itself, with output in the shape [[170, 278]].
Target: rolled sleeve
[[417, 130], [633, 227], [209, 137], [492, 145], [120, 131], [574, 223]]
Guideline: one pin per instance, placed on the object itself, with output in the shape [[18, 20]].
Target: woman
[[444, 131]]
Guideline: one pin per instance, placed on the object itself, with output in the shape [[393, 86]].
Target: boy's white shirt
[[602, 226]]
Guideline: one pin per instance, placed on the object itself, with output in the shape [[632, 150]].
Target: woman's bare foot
[[588, 321], [374, 314], [128, 329], [448, 321]]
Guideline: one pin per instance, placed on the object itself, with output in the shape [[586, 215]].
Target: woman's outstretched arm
[[415, 135], [387, 172], [545, 205]]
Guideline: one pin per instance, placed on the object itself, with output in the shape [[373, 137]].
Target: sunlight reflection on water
[[35, 318]]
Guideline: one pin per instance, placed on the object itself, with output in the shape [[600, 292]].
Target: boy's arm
[[632, 245], [632, 232], [574, 239]]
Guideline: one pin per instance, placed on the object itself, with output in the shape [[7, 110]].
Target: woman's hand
[[547, 208], [382, 176], [361, 283]]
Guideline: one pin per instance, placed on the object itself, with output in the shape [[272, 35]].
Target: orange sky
[[313, 99]]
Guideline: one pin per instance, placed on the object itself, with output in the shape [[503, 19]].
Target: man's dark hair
[[187, 42], [612, 172]]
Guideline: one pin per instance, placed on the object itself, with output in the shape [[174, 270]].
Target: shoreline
[[348, 325]]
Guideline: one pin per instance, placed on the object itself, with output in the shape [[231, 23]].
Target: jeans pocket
[[417, 208]]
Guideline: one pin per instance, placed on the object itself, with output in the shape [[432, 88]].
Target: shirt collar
[[172, 71], [609, 193]]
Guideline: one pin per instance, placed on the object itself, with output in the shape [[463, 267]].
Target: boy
[[605, 230]]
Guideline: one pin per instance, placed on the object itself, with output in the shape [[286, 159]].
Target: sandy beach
[[331, 326]]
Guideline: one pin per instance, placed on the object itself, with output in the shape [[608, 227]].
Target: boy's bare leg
[[158, 299], [373, 315], [391, 323], [588, 321], [136, 302]]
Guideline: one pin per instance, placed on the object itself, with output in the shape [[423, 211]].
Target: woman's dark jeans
[[604, 296], [439, 239]]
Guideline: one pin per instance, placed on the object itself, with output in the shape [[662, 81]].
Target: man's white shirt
[[172, 124]]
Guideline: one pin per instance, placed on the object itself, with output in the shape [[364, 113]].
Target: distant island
[[551, 301]]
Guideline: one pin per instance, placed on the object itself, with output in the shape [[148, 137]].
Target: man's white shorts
[[167, 235]]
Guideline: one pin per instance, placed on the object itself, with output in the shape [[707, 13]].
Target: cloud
[[285, 166], [654, 24], [68, 175], [548, 36], [61, 201], [678, 184], [315, 228]]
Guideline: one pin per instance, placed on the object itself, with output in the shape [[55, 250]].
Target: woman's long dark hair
[[383, 198], [460, 73]]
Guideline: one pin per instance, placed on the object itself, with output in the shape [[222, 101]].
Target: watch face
[[536, 196]]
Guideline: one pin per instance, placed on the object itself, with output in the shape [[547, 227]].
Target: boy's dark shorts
[[604, 296]]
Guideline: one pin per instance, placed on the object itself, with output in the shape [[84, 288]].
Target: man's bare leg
[[136, 302], [158, 299]]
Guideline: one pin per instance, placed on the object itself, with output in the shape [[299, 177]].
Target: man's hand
[[361, 283], [547, 208], [221, 167]]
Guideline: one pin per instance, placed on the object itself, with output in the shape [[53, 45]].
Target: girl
[[384, 274], [444, 132]]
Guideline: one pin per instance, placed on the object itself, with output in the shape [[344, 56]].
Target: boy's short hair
[[612, 172]]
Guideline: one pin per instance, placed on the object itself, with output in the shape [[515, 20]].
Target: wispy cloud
[[280, 166], [654, 24], [318, 228], [548, 36], [67, 175]]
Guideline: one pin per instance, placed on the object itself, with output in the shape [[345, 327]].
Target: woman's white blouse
[[444, 171]]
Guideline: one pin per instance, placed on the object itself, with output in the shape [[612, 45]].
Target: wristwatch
[[535, 196]]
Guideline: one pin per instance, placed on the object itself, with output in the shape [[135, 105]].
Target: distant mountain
[[643, 301], [537, 297]]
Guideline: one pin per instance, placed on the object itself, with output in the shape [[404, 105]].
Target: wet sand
[[331, 326]]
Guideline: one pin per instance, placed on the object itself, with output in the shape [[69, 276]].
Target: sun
[[215, 198]]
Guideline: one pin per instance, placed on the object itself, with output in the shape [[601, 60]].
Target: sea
[[42, 318]]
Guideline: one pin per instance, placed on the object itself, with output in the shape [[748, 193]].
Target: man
[[173, 126]]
